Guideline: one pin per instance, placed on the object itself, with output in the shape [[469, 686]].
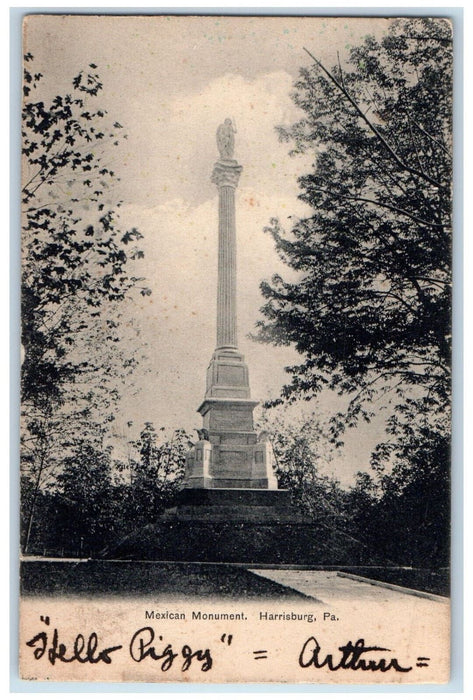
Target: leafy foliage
[[79, 340], [369, 307], [85, 495], [303, 455], [370, 311], [156, 472], [398, 518], [75, 260], [96, 500]]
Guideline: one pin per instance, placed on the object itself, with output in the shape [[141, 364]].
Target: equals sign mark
[[260, 654], [421, 659]]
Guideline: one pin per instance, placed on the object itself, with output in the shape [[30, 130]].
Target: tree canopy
[[370, 308], [79, 339], [75, 257]]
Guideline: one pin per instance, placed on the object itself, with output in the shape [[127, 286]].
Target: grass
[[126, 578]]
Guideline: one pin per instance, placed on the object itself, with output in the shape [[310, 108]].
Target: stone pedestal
[[230, 456], [234, 505]]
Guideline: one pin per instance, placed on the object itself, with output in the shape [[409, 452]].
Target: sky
[[170, 81]]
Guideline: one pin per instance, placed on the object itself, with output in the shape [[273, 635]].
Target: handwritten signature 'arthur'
[[352, 657]]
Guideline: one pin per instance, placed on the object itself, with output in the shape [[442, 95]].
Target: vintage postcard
[[236, 349]]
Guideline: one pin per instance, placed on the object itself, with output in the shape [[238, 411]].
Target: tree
[[156, 472], [303, 458], [77, 277], [370, 310], [84, 494]]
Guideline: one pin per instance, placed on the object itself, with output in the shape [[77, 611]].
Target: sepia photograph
[[236, 329]]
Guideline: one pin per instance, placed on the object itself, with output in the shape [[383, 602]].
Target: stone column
[[226, 174], [231, 456]]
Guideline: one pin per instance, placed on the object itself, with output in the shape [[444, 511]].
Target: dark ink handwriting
[[82, 651], [350, 658], [143, 645], [260, 654]]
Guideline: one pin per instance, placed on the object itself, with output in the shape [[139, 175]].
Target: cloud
[[172, 152]]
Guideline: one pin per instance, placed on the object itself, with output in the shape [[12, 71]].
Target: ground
[[123, 578], [56, 577]]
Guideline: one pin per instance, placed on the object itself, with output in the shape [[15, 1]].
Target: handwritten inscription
[[143, 646], [352, 656], [82, 651], [146, 645]]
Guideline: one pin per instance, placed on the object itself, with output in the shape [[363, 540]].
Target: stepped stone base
[[234, 505], [283, 544]]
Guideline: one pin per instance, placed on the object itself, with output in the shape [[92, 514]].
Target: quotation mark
[[226, 638]]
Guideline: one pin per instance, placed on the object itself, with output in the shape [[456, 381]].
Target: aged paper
[[412, 634], [253, 192]]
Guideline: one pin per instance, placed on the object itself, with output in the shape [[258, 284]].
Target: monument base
[[246, 526], [234, 505]]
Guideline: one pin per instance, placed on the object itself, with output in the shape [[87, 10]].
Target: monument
[[229, 471], [228, 454], [230, 509]]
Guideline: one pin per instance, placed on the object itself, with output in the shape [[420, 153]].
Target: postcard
[[236, 349]]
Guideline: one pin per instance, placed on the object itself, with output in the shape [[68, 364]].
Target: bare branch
[[371, 126], [384, 205], [429, 136]]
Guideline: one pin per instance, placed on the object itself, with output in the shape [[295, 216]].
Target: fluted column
[[229, 454], [226, 175]]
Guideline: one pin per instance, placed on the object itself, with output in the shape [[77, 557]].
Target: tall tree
[[370, 310], [77, 275]]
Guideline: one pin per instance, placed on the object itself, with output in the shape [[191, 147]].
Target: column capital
[[226, 173]]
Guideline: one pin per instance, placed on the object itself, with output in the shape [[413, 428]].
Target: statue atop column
[[226, 139]]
